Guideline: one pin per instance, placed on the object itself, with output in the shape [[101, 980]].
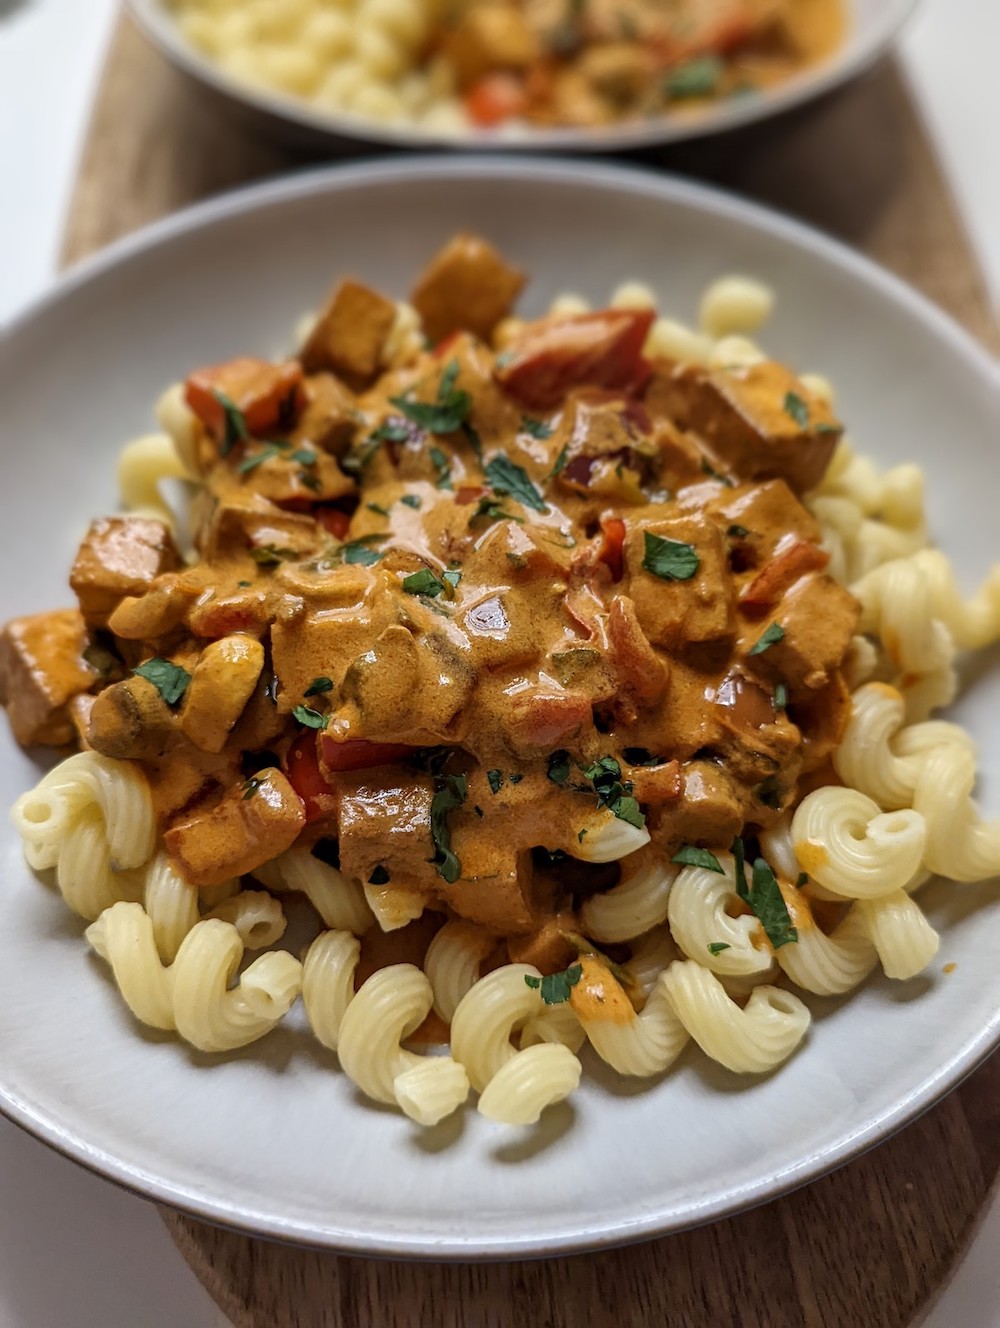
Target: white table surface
[[74, 1251]]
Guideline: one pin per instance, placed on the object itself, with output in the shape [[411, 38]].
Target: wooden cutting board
[[867, 1247]]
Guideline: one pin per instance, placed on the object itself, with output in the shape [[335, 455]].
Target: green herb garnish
[[451, 793], [698, 78], [318, 686], [495, 778], [670, 560], [737, 532], [442, 465], [691, 856], [411, 500], [311, 719], [556, 987], [780, 696], [506, 477], [236, 424], [251, 786], [379, 511], [537, 428], [560, 463], [266, 555], [266, 453], [445, 415], [765, 899], [558, 767], [359, 552], [170, 680], [423, 582], [771, 637], [605, 775], [717, 947], [796, 409], [492, 509]]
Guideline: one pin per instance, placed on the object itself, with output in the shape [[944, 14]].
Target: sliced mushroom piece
[[222, 683]]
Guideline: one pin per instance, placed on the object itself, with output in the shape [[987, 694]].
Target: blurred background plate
[[273, 1140], [871, 26]]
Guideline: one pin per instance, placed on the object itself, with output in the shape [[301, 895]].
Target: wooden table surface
[[867, 1247]]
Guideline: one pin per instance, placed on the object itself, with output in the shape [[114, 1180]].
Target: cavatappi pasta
[[513, 64], [575, 675]]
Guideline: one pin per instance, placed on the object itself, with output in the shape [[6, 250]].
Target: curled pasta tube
[[635, 1044], [256, 915], [178, 421], [852, 848], [452, 963], [699, 918], [826, 965], [651, 954], [171, 904], [974, 623], [339, 901], [530, 1081], [210, 1015], [869, 758], [117, 789], [554, 1023], [143, 465], [328, 983], [960, 845], [748, 1041], [123, 937], [486, 1018], [906, 942], [637, 904], [389, 1007], [606, 838]]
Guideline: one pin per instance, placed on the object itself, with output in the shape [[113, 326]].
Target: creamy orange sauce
[[448, 621]]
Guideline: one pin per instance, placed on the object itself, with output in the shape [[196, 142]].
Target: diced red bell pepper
[[468, 493], [446, 343], [613, 546], [781, 573], [494, 98], [304, 774], [266, 395], [589, 350], [334, 520], [357, 754]]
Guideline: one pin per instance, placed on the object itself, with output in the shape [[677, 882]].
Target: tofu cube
[[350, 333], [41, 670], [674, 613], [121, 555], [467, 286]]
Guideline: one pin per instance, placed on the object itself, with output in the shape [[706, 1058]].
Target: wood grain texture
[[864, 1248]]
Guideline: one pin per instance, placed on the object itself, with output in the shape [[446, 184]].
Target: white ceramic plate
[[872, 24], [273, 1139]]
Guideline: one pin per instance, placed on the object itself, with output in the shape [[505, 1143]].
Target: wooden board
[[869, 1245]]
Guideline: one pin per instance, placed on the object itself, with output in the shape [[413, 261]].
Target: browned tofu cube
[[675, 612], [467, 286], [710, 810], [496, 887], [236, 527], [619, 71], [818, 618], [387, 824], [350, 333], [121, 555], [488, 37], [41, 669], [768, 513], [760, 420], [239, 834], [330, 419]]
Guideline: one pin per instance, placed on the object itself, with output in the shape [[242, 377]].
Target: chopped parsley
[[640, 756], [309, 718], [708, 469], [359, 551], [391, 431], [251, 786], [558, 767], [560, 463], [267, 453], [764, 898], [236, 425], [443, 467], [495, 778], [505, 476], [691, 856], [697, 78], [379, 877], [771, 637], [670, 560], [516, 777], [318, 686], [267, 555], [411, 500], [170, 680], [360, 454], [304, 457], [492, 509], [737, 532], [379, 511], [309, 481], [801, 880], [444, 415], [537, 428], [450, 794], [796, 409], [556, 987], [423, 582], [244, 585], [606, 776], [717, 947], [451, 578], [827, 428], [780, 696]]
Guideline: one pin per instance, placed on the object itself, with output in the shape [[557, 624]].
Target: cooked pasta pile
[[745, 806], [512, 63]]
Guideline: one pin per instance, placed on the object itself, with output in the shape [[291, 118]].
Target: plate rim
[[330, 180], [296, 115]]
